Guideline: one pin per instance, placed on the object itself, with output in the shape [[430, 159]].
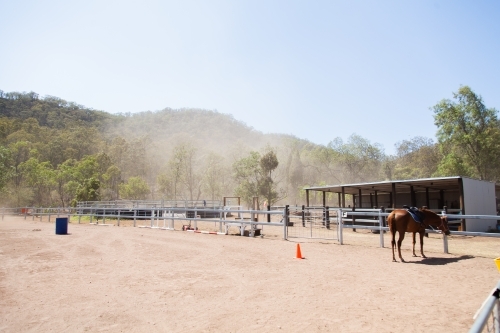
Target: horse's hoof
[[414, 255], [394, 260]]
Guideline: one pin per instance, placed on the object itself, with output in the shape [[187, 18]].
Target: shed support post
[[393, 195], [461, 190], [412, 197]]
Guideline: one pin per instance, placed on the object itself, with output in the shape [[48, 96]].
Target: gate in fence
[[312, 223]]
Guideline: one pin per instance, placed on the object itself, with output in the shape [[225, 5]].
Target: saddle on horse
[[415, 213]]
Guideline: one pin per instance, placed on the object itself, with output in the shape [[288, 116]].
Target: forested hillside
[[54, 153]]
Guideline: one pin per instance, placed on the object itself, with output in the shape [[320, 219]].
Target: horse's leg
[[422, 244], [400, 241], [414, 245], [393, 243]]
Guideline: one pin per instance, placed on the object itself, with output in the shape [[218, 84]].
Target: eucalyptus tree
[[181, 178], [254, 177], [40, 177], [66, 181], [247, 174], [135, 188], [268, 184], [469, 136], [359, 159], [416, 158], [215, 176], [5, 167], [111, 180]]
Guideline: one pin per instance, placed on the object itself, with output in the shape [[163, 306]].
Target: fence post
[[135, 213], [303, 217], [172, 224], [25, 212], [221, 216], [353, 219], [327, 217], [285, 222], [118, 218], [268, 215], [445, 243], [195, 224], [340, 226], [381, 224], [445, 238]]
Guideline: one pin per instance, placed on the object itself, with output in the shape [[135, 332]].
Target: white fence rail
[[340, 218], [488, 315]]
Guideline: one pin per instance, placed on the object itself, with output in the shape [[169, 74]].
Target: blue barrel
[[61, 225]]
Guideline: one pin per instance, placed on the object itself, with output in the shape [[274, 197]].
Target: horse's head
[[444, 225], [441, 222]]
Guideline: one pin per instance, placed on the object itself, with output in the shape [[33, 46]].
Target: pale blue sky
[[314, 69]]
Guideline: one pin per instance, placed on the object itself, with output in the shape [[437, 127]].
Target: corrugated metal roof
[[402, 186]]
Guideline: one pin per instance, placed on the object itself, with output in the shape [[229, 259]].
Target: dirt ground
[[126, 279]]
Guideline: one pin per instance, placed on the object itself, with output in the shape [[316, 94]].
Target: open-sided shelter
[[460, 195]]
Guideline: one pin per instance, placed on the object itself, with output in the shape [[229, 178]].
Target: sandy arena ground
[[126, 279]]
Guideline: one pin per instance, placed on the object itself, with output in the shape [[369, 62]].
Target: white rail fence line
[[338, 217], [488, 315]]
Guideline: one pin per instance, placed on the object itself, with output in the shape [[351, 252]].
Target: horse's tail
[[391, 224]]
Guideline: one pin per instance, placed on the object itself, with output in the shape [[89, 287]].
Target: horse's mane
[[430, 213]]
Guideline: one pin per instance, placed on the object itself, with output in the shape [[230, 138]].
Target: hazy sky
[[314, 69]]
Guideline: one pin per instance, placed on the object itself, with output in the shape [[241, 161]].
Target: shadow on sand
[[441, 261]]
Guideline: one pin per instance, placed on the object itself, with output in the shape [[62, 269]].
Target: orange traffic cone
[[298, 254]]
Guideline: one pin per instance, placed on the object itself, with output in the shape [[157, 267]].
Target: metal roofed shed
[[460, 195]]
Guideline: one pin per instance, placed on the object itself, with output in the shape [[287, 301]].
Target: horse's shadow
[[441, 261]]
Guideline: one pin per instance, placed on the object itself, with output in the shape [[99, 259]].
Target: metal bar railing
[[489, 311]]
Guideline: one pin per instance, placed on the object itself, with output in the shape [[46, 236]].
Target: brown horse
[[401, 221]]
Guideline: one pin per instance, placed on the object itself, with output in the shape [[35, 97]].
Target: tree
[[181, 178], [135, 188], [255, 179], [111, 181], [64, 175], [215, 182], [88, 191], [191, 179], [469, 135], [247, 175], [360, 160], [416, 158], [41, 178], [86, 183], [268, 186], [170, 181], [5, 168]]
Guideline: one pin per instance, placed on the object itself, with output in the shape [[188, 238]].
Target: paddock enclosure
[[120, 278]]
